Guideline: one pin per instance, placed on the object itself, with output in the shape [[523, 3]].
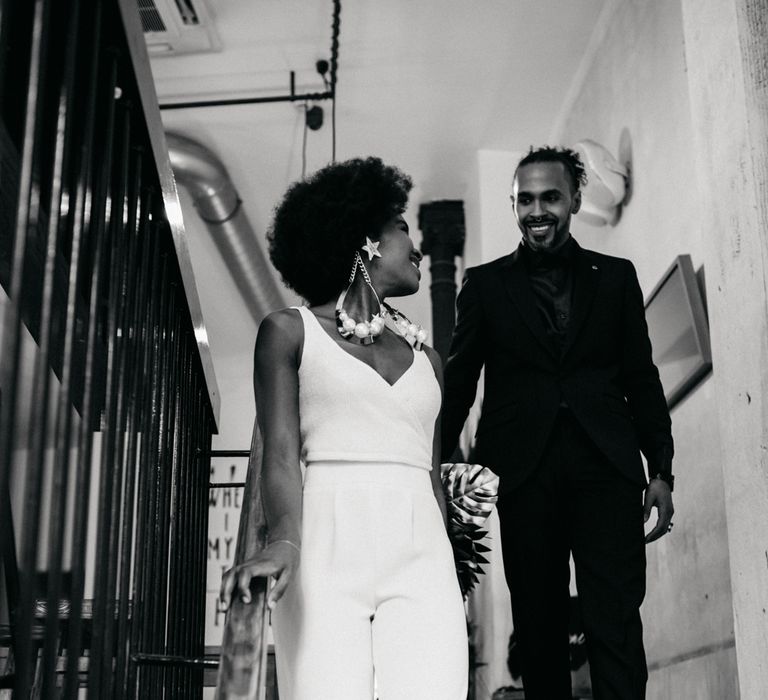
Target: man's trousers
[[576, 502]]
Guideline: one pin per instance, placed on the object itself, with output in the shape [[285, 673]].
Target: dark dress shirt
[[551, 277]]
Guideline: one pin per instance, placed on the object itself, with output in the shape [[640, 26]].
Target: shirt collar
[[562, 256]]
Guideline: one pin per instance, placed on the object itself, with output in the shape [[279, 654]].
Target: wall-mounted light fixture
[[607, 184]]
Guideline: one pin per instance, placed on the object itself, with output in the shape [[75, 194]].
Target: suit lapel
[[586, 277], [519, 289]]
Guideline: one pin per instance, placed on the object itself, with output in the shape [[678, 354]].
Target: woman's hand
[[279, 560]]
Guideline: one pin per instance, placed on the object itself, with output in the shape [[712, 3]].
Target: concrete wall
[[633, 89], [727, 60]]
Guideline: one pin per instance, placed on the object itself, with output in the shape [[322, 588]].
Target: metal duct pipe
[[216, 200]]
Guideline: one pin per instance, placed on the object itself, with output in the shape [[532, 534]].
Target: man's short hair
[[568, 157]]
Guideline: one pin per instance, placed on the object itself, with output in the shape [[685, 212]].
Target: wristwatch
[[667, 478]]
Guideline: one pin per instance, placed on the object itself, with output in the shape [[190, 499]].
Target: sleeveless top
[[349, 412]]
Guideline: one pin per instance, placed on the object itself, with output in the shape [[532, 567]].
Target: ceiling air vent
[[173, 27]]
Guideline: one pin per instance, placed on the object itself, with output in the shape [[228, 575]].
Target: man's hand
[[659, 496]]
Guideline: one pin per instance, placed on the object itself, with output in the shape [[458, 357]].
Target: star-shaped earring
[[372, 248]]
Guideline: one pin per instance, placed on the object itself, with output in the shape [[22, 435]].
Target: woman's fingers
[[281, 583], [225, 592], [237, 581], [250, 571], [244, 584]]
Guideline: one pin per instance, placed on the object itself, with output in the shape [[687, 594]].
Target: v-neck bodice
[[349, 412]]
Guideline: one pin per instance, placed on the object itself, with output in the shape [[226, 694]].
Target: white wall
[[491, 228], [726, 59]]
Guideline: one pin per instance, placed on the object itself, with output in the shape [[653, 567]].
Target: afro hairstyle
[[323, 219]]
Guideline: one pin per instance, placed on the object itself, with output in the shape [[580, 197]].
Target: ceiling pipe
[[220, 207]]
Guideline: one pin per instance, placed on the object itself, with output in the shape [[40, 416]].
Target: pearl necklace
[[366, 332], [412, 332]]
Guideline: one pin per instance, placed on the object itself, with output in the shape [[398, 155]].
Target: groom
[[571, 399]]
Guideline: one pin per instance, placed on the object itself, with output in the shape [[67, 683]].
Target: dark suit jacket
[[604, 372]]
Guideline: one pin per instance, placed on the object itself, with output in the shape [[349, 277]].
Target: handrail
[[243, 666], [145, 84]]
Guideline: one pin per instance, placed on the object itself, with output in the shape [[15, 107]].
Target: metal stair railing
[[107, 401]]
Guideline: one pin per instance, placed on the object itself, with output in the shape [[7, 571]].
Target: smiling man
[[543, 200], [571, 400]]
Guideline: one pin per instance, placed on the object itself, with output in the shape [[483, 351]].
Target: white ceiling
[[422, 83]]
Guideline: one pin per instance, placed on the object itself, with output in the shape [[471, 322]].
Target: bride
[[358, 549]]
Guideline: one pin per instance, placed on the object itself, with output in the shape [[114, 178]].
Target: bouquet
[[470, 495]]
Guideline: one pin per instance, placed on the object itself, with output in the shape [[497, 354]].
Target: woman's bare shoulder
[[280, 331], [286, 320]]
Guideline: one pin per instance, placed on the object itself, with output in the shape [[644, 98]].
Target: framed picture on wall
[[679, 332]]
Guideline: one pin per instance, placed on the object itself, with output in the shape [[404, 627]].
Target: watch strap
[[667, 478]]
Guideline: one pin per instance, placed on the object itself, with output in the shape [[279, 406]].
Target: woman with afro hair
[[358, 548]]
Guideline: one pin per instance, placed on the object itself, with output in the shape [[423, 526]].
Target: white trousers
[[376, 592]]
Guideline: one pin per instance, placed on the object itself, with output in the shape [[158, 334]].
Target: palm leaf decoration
[[470, 494]]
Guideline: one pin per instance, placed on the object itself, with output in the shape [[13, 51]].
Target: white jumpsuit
[[376, 591]]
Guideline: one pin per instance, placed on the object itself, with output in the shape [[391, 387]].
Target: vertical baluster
[[170, 514], [141, 201], [10, 333], [177, 515], [157, 608], [203, 439], [65, 134], [27, 217], [168, 673], [138, 684], [102, 232], [178, 546], [112, 463], [199, 478], [186, 556], [196, 488], [83, 221], [156, 587], [121, 510], [192, 462], [193, 541], [10, 19], [190, 543], [166, 518]]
